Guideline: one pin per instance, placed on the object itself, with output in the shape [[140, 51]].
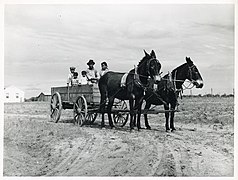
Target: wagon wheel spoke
[[80, 119], [53, 102], [55, 107], [80, 110], [78, 115], [52, 112], [124, 106], [55, 113], [120, 118], [91, 117]]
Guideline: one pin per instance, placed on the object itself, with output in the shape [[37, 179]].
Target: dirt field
[[203, 144]]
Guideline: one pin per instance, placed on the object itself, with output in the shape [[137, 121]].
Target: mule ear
[[189, 61], [152, 54], [146, 54]]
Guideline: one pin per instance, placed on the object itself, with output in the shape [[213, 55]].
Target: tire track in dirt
[[141, 155], [194, 157], [182, 159], [110, 153], [70, 150], [166, 165], [117, 152]]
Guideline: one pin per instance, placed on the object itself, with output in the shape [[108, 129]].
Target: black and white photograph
[[140, 89]]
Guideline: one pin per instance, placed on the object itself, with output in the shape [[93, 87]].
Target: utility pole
[[211, 91]]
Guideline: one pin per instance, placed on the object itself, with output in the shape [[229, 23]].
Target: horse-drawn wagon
[[85, 99]]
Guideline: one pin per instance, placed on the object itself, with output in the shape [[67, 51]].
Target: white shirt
[[70, 77], [92, 73], [83, 80], [102, 72]]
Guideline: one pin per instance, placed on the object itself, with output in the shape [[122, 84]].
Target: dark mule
[[168, 90], [136, 82]]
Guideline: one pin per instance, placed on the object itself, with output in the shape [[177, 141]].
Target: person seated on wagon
[[83, 79], [75, 80], [104, 69], [70, 76], [92, 73]]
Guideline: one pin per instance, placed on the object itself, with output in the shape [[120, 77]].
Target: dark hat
[[71, 68], [83, 72], [104, 63], [91, 62]]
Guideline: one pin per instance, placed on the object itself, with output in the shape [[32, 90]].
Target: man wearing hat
[[71, 75], [92, 73]]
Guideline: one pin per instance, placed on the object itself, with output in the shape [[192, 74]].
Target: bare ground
[[202, 145]]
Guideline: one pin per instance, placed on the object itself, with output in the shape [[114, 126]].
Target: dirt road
[[202, 145]]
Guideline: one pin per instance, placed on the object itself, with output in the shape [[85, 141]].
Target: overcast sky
[[43, 41]]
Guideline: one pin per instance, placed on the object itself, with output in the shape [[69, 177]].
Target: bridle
[[190, 75], [137, 75], [191, 81], [148, 66]]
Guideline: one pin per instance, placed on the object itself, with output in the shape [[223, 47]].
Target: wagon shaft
[[144, 111]]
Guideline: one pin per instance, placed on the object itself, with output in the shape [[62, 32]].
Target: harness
[[137, 76], [180, 90]]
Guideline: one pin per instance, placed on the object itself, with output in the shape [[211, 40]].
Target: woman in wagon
[[70, 76], [92, 73], [104, 69]]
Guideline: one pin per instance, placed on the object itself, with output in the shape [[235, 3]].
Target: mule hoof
[[148, 127], [173, 129], [112, 127]]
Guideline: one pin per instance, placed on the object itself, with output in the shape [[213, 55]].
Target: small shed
[[13, 94], [43, 97]]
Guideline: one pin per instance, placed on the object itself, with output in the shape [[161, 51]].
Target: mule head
[[153, 67], [193, 74]]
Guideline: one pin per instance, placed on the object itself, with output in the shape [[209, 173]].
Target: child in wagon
[[70, 76], [83, 79], [75, 80]]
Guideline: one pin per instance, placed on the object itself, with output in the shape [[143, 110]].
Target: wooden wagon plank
[[90, 92]]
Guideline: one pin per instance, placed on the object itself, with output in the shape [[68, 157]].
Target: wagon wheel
[[120, 118], [91, 117], [56, 107], [80, 110]]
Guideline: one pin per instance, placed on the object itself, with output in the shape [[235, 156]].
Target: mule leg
[[131, 103], [138, 107], [172, 118], [109, 110], [167, 118], [147, 107], [102, 108], [134, 119], [103, 122]]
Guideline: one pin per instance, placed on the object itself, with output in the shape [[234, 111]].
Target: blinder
[[148, 66]]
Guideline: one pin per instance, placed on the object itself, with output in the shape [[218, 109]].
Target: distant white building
[[13, 94]]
